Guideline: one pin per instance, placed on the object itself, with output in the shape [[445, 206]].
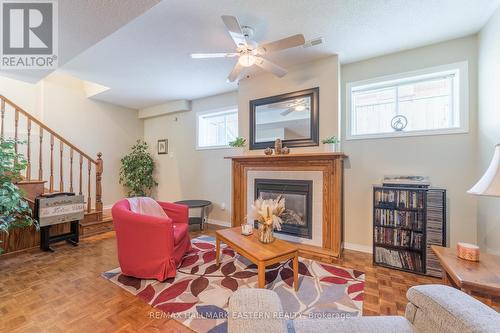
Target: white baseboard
[[358, 247], [108, 207], [492, 251], [219, 222]]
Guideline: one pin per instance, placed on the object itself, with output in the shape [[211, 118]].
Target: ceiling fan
[[297, 105], [250, 53]]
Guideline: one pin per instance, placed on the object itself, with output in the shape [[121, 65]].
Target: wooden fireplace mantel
[[332, 167]]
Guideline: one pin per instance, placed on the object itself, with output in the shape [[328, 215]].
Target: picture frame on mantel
[[292, 117]]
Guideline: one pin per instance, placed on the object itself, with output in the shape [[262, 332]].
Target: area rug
[[198, 295]]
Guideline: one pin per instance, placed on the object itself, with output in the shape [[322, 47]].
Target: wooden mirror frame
[[313, 140]]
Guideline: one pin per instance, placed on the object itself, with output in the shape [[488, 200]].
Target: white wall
[[59, 101], [449, 160], [489, 128]]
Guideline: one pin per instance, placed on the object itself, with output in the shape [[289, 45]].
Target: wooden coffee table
[[259, 253]]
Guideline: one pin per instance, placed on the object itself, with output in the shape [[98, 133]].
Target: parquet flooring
[[64, 292]]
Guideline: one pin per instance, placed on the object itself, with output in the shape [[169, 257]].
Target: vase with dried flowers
[[267, 213]]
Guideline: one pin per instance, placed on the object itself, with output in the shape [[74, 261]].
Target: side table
[[203, 204], [480, 279]]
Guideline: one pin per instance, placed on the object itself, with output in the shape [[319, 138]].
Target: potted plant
[[238, 143], [14, 209], [136, 172], [331, 144]]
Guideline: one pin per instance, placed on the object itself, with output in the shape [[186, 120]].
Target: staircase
[[53, 165]]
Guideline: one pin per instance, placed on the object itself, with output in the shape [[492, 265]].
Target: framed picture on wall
[[162, 147]]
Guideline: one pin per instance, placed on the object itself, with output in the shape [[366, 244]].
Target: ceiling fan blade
[[234, 30], [282, 44], [213, 55], [235, 72], [270, 67], [286, 112]]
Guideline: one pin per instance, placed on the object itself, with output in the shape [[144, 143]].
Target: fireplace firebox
[[297, 217]]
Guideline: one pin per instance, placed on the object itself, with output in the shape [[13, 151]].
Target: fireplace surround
[[328, 165]]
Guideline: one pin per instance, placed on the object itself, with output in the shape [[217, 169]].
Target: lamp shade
[[489, 184]]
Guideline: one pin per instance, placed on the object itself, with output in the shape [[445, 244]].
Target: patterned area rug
[[198, 295]]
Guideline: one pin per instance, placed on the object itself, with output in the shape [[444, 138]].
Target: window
[[432, 101], [217, 128]]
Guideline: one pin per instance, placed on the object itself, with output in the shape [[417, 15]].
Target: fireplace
[[297, 217]]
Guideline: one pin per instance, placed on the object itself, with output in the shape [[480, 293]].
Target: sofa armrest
[[255, 310], [439, 308], [178, 213]]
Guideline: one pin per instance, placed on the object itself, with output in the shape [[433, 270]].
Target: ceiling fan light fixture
[[300, 108], [246, 60]]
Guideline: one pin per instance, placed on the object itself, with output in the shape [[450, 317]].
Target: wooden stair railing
[[54, 138]]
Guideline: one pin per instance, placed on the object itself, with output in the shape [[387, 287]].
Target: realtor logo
[[29, 34]]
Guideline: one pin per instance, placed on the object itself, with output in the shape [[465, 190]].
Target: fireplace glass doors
[[297, 218]]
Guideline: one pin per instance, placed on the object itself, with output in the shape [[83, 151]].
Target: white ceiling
[[147, 61], [82, 23]]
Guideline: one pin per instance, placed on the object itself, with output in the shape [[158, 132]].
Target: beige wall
[[187, 173], [489, 128], [447, 159], [323, 73], [60, 102]]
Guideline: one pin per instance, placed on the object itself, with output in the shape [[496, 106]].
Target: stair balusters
[[28, 152], [40, 158], [61, 177], [32, 121], [51, 178]]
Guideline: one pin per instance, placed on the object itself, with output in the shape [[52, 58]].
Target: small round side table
[[203, 204]]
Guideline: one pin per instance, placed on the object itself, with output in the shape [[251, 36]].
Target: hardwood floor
[[64, 292]]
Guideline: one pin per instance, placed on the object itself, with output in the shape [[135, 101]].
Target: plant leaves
[[208, 256], [130, 281], [172, 292], [147, 294], [337, 271], [271, 276], [228, 268], [175, 307], [195, 269], [198, 285], [244, 274], [228, 252], [287, 276], [355, 287], [334, 280], [229, 283], [210, 269], [204, 246], [188, 261]]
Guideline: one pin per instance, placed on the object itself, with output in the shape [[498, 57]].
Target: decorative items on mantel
[[331, 144], [238, 143], [267, 213], [488, 185], [331, 165]]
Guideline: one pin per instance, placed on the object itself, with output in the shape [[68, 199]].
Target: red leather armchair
[[150, 247]]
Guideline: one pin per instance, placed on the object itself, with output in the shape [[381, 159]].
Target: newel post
[[98, 187]]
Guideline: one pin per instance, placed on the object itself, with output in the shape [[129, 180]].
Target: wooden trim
[[330, 164]]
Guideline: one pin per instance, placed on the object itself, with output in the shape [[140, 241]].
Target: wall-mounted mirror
[[292, 117]]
